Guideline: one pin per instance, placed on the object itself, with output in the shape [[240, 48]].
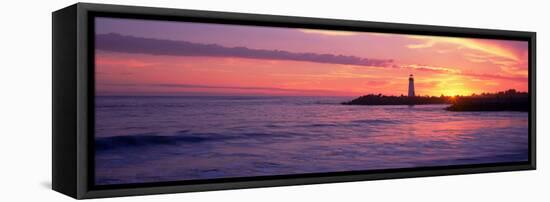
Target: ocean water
[[155, 139]]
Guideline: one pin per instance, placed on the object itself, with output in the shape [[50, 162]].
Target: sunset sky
[[146, 57]]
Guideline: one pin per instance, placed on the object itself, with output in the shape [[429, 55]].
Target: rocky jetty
[[380, 99], [510, 100]]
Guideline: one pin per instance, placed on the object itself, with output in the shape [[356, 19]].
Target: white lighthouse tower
[[411, 86]]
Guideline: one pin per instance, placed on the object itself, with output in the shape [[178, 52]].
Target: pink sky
[[339, 64]]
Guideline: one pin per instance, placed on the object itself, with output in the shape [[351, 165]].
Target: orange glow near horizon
[[440, 65]]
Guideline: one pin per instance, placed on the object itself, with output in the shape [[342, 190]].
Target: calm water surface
[[152, 139]]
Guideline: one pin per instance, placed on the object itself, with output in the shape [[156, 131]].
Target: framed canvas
[[155, 100]]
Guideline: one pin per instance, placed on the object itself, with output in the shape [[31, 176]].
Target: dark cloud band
[[130, 44]]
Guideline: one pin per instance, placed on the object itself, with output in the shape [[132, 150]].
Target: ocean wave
[[335, 124], [151, 139], [376, 121], [183, 137], [322, 125], [313, 125]]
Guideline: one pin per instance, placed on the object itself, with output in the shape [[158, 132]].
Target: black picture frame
[[73, 100]]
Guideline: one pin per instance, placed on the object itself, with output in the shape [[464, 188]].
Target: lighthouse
[[411, 86]]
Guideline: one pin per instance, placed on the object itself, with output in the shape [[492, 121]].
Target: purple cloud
[[130, 44]]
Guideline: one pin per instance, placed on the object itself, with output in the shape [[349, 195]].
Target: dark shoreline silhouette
[[510, 100], [380, 99]]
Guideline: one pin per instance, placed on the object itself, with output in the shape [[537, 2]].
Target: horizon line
[[206, 94]]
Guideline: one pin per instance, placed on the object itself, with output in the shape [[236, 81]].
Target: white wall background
[[25, 100]]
